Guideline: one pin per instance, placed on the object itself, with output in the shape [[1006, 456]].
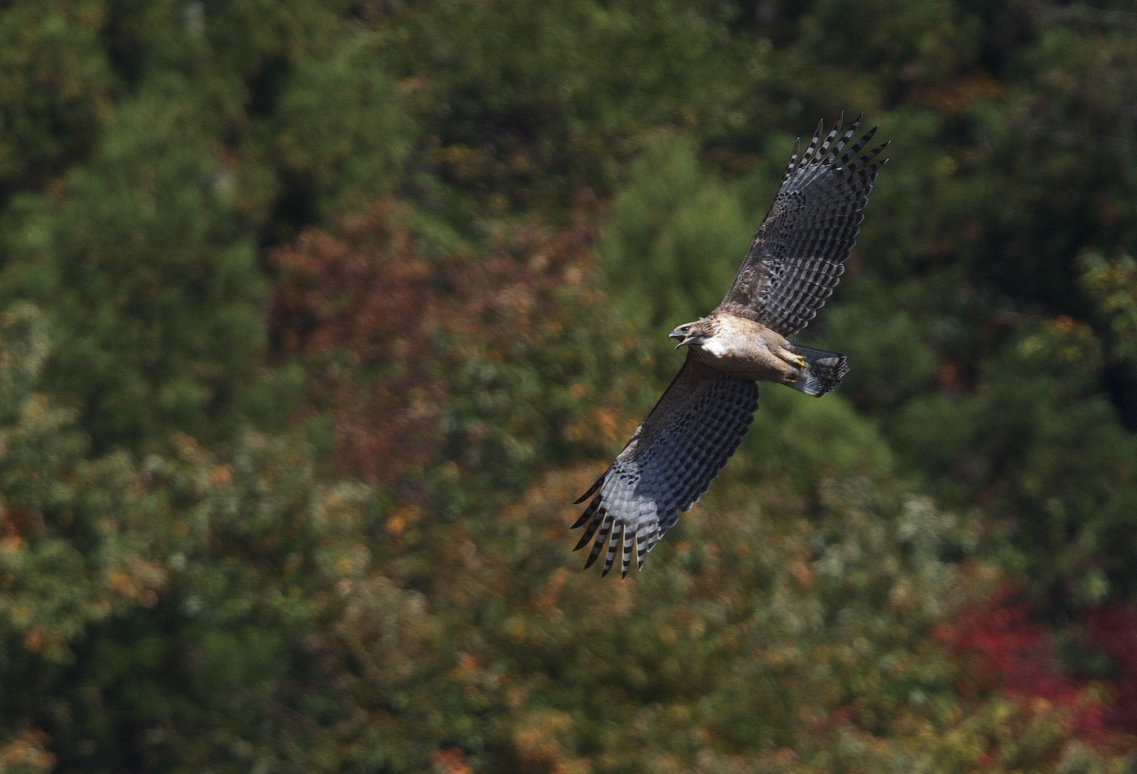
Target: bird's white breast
[[742, 348], [720, 346]]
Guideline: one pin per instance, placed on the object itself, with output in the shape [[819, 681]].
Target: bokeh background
[[316, 315]]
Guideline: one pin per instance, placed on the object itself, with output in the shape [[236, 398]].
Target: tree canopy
[[316, 316]]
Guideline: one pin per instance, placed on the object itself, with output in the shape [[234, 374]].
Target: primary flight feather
[[794, 263]]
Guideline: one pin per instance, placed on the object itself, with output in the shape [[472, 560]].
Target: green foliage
[[894, 361], [150, 277], [865, 52], [804, 441], [54, 92], [675, 237], [240, 124], [341, 130], [346, 301], [1111, 286], [523, 104], [168, 610]]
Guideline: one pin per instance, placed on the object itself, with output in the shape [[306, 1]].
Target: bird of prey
[[794, 263]]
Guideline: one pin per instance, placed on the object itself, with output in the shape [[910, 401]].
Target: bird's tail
[[824, 371]]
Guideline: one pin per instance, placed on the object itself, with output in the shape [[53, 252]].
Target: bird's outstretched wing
[[669, 463], [799, 252]]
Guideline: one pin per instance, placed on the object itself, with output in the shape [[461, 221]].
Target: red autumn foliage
[[1006, 650], [364, 300], [1115, 630], [386, 327]]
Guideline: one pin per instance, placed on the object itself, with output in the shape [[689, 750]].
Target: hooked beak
[[677, 335]]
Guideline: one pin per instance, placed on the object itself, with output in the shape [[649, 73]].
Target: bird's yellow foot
[[800, 361]]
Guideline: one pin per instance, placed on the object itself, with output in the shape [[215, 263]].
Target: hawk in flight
[[794, 263]]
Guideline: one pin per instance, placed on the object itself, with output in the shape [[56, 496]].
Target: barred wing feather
[[667, 466], [799, 252]]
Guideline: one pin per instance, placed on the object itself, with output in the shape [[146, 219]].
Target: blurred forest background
[[315, 316]]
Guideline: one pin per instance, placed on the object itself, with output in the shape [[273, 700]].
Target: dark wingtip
[[588, 533], [881, 149], [591, 490], [588, 512], [583, 541]]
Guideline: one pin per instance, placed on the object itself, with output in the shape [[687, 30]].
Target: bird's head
[[692, 333]]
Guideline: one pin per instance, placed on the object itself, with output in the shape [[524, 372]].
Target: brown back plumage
[[799, 252]]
